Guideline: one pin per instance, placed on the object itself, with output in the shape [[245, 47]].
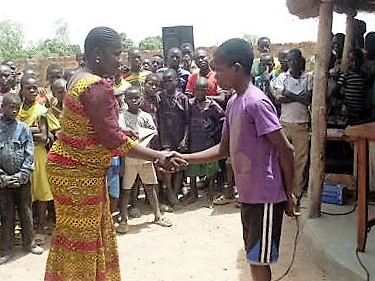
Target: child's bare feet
[[134, 212], [163, 221], [166, 208], [189, 199], [122, 228]]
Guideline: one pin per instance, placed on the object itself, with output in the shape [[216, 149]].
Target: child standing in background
[[16, 165], [173, 126], [141, 122], [206, 118], [37, 117]]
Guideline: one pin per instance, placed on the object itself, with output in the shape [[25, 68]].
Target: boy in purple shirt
[[262, 157]]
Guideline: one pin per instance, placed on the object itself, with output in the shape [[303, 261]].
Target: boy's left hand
[[14, 182], [291, 206]]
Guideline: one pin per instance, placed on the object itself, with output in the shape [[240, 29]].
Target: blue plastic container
[[333, 193]]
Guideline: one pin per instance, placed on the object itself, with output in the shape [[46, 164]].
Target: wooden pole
[[349, 38], [318, 135]]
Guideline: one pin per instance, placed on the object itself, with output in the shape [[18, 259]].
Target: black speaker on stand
[[175, 36]]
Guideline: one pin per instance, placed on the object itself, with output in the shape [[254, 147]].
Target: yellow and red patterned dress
[[84, 246]]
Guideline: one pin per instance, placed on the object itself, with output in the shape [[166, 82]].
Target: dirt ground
[[203, 244]]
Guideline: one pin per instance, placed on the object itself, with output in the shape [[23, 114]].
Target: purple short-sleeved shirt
[[257, 172]]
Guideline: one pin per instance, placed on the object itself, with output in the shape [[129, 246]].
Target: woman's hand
[[134, 135], [170, 161]]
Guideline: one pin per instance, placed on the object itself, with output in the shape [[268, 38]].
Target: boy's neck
[[205, 71], [27, 104], [147, 95], [242, 86], [171, 94], [296, 74], [6, 119], [134, 111]]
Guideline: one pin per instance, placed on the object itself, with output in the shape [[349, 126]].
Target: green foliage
[[11, 41], [127, 43], [52, 48], [252, 39], [151, 43]]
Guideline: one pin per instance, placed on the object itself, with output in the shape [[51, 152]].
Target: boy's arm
[[184, 142], [43, 132], [28, 164], [214, 153], [285, 152], [339, 84], [220, 97], [279, 91]]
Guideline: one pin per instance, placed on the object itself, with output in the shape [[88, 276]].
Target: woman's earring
[[97, 60]]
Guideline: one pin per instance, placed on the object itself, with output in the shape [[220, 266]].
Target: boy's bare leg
[[154, 202], [153, 198], [261, 272], [228, 191], [192, 196], [172, 198], [124, 202], [134, 210], [113, 206], [177, 182], [42, 222], [42, 215], [210, 192]]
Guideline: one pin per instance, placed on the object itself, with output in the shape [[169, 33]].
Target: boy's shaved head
[[11, 98], [170, 72], [59, 83]]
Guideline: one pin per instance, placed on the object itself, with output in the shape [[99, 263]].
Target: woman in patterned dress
[[83, 246]]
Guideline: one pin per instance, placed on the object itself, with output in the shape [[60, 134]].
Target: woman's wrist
[[158, 157]]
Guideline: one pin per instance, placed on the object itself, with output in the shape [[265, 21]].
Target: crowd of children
[[177, 106]]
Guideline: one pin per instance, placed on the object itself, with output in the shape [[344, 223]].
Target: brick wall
[[40, 65]]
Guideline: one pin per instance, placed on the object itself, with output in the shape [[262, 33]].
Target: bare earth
[[203, 244]]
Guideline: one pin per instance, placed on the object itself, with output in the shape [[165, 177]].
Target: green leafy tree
[[151, 43], [11, 41], [127, 43], [53, 48]]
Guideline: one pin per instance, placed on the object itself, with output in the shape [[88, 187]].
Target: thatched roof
[[310, 8]]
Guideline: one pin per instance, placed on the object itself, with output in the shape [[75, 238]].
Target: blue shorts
[[113, 178]]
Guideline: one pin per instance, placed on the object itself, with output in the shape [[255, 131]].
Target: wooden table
[[362, 134]]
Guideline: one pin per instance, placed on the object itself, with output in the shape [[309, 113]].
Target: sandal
[[134, 213], [122, 228], [222, 200], [163, 221], [39, 239]]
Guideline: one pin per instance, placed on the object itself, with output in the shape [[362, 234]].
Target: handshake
[[170, 161]]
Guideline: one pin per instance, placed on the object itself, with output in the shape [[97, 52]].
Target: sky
[[213, 22]]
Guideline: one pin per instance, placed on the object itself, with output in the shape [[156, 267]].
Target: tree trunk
[[318, 136]]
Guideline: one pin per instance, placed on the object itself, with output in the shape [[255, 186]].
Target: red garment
[[211, 77], [103, 118]]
